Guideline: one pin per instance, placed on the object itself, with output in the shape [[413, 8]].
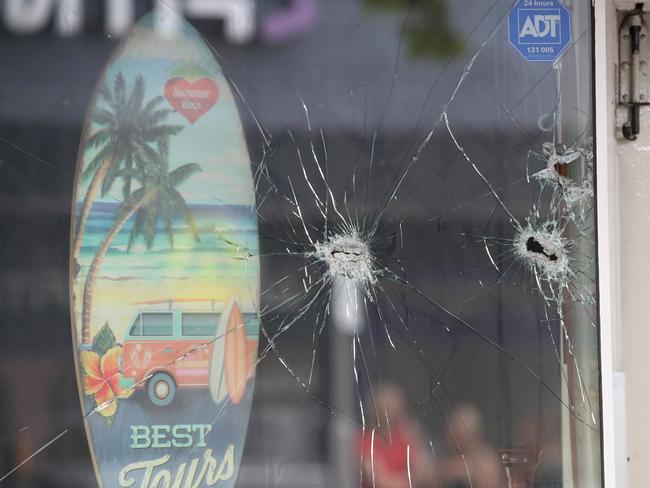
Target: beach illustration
[[164, 282]]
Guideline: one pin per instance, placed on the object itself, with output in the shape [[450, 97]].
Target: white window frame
[[614, 450]]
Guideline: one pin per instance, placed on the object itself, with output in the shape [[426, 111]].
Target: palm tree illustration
[[156, 201], [128, 131]]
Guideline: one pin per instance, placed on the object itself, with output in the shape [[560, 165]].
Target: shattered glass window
[[423, 188]]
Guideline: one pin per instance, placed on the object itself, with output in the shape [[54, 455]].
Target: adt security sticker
[[539, 29]]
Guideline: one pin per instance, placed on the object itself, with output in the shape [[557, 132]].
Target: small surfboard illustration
[[165, 324]]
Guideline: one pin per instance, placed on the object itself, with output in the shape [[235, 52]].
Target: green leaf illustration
[[104, 340]]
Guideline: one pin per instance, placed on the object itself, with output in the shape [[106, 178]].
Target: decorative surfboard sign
[[163, 299]]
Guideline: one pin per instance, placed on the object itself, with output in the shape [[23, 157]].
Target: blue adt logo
[[539, 29]]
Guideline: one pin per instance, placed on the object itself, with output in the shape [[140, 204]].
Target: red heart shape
[[191, 99]]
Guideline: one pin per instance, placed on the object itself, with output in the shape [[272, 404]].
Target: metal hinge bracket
[[634, 63]]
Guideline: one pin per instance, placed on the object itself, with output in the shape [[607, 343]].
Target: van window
[[136, 327], [157, 324], [251, 321], [200, 324]]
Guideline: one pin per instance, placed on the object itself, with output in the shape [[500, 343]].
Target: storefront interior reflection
[[422, 230]]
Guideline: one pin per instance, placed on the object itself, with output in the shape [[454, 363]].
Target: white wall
[[634, 222]]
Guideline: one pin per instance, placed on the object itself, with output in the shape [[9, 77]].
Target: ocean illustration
[[164, 273]]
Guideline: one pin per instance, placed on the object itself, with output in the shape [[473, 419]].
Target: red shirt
[[391, 456]]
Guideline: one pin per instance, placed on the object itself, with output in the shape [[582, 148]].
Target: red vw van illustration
[[167, 350]]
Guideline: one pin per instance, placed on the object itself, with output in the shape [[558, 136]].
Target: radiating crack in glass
[[541, 246]]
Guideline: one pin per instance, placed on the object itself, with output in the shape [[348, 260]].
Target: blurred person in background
[[470, 462], [393, 454]]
